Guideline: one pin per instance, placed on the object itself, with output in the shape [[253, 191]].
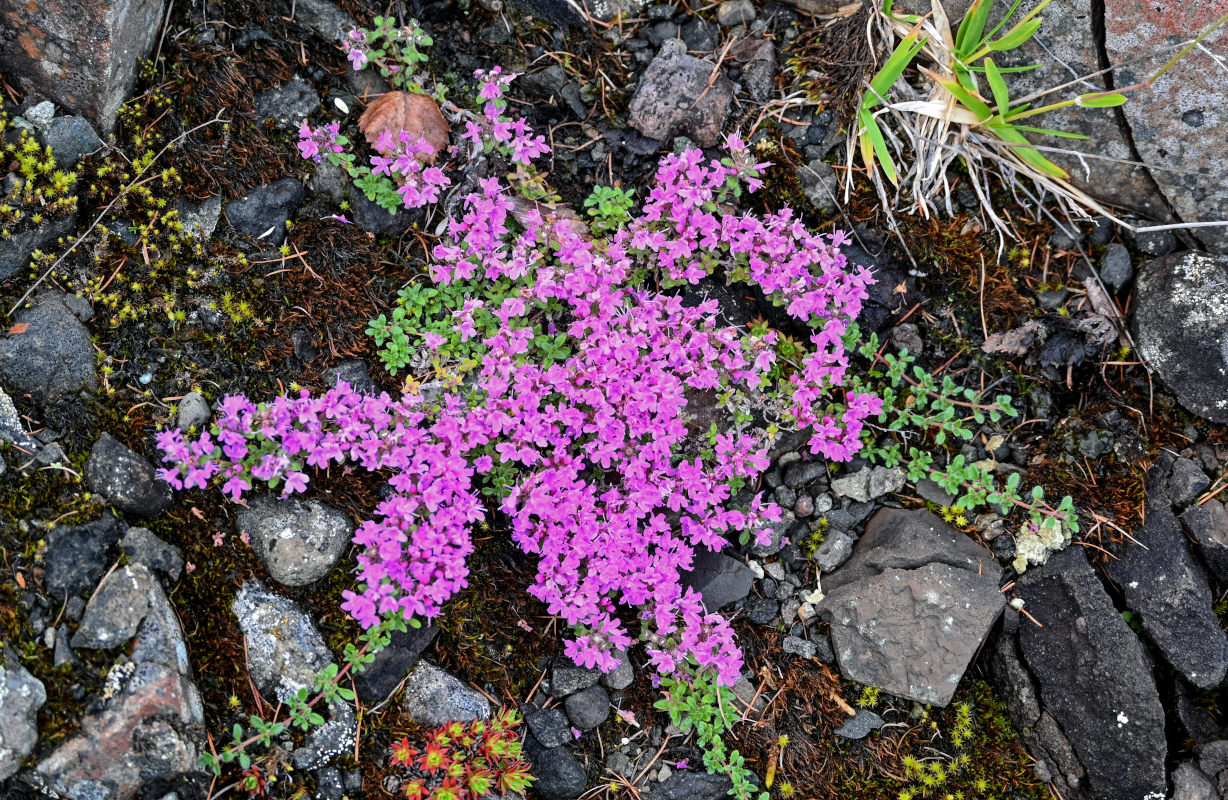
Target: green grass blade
[[1008, 70], [1005, 19], [972, 26], [1001, 95], [973, 104], [1050, 132], [1101, 100], [875, 135], [903, 55], [1009, 134], [1016, 36]]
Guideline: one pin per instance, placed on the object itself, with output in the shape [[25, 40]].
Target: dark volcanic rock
[[15, 251], [116, 609], [720, 579], [288, 105], [912, 632], [77, 556], [588, 708], [674, 96], [126, 479], [70, 138], [1095, 677], [549, 725], [21, 696], [559, 775], [1208, 525], [81, 53], [393, 663], [1167, 589], [1181, 327], [690, 785], [567, 677], [52, 356], [911, 607], [266, 207], [143, 547], [433, 697]]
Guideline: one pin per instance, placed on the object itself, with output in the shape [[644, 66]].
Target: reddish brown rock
[[81, 53], [1179, 124]]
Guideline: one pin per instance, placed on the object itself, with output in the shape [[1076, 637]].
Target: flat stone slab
[[1181, 328], [912, 632]]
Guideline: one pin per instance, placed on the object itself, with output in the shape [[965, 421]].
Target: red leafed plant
[[463, 760]]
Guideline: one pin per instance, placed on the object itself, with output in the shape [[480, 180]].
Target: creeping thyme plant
[[563, 357]]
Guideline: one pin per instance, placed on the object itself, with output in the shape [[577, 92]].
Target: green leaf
[[997, 85], [968, 37], [1007, 133], [878, 145], [973, 104], [1017, 35], [1101, 100], [903, 55]]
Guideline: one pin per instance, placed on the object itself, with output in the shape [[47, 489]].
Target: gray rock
[[53, 356], [1094, 677], [761, 610], [354, 372], [81, 55], [116, 609], [855, 485], [39, 115], [777, 531], [559, 776], [912, 632], [1167, 590], [329, 181], [674, 96], [288, 105], [70, 138], [588, 708], [700, 35], [567, 677], [1181, 328], [1190, 783], [1186, 483], [62, 654], [1116, 271], [372, 218], [1208, 525], [690, 785], [193, 411], [143, 547], [548, 725], [622, 676], [393, 663], [77, 556], [16, 250], [801, 473], [126, 479], [323, 17], [11, 429], [266, 208], [931, 491], [298, 541], [821, 186], [795, 645], [835, 550], [199, 219], [150, 729], [735, 12], [759, 72], [1152, 243], [433, 697], [1213, 757], [720, 579], [896, 538], [284, 654], [21, 696], [859, 727]]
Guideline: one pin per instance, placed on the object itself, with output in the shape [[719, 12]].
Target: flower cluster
[[315, 143], [495, 130], [402, 158], [464, 761], [583, 446], [395, 51]]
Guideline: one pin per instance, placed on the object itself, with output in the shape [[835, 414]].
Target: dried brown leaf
[[417, 114]]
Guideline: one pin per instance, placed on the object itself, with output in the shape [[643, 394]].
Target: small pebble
[[804, 506]]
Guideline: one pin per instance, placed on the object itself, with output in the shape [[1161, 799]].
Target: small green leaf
[[1101, 100], [997, 85]]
